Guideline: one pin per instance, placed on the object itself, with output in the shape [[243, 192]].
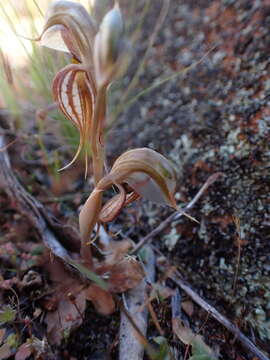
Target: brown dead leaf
[[62, 279], [101, 299], [188, 307], [66, 317], [23, 352], [125, 275], [116, 250], [5, 351], [63, 314]]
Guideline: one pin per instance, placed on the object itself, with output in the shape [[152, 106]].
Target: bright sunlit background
[[18, 20], [26, 70]]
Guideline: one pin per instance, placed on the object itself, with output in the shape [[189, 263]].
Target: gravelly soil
[[215, 118]]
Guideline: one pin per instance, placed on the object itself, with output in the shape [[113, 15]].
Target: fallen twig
[[248, 344], [176, 313], [176, 304], [130, 345], [175, 215]]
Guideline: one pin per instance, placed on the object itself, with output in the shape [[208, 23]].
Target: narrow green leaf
[[89, 274]]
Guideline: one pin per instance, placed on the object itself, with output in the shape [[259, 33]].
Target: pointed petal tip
[[74, 159]]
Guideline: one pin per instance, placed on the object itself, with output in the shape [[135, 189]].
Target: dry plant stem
[[248, 344], [238, 256], [143, 340], [86, 255], [176, 215], [176, 304], [130, 344], [98, 156], [28, 206]]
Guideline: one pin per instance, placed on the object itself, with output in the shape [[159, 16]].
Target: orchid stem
[[97, 146]]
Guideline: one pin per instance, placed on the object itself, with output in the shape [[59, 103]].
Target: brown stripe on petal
[[68, 92], [72, 90], [59, 82]]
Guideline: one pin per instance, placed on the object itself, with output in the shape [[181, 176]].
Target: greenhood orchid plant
[[98, 55]]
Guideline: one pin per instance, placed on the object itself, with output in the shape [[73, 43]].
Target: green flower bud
[[111, 33], [110, 47]]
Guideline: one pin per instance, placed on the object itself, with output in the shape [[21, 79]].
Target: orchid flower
[[80, 88], [136, 173]]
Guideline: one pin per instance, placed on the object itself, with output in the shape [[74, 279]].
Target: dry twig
[[176, 313], [131, 347]]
